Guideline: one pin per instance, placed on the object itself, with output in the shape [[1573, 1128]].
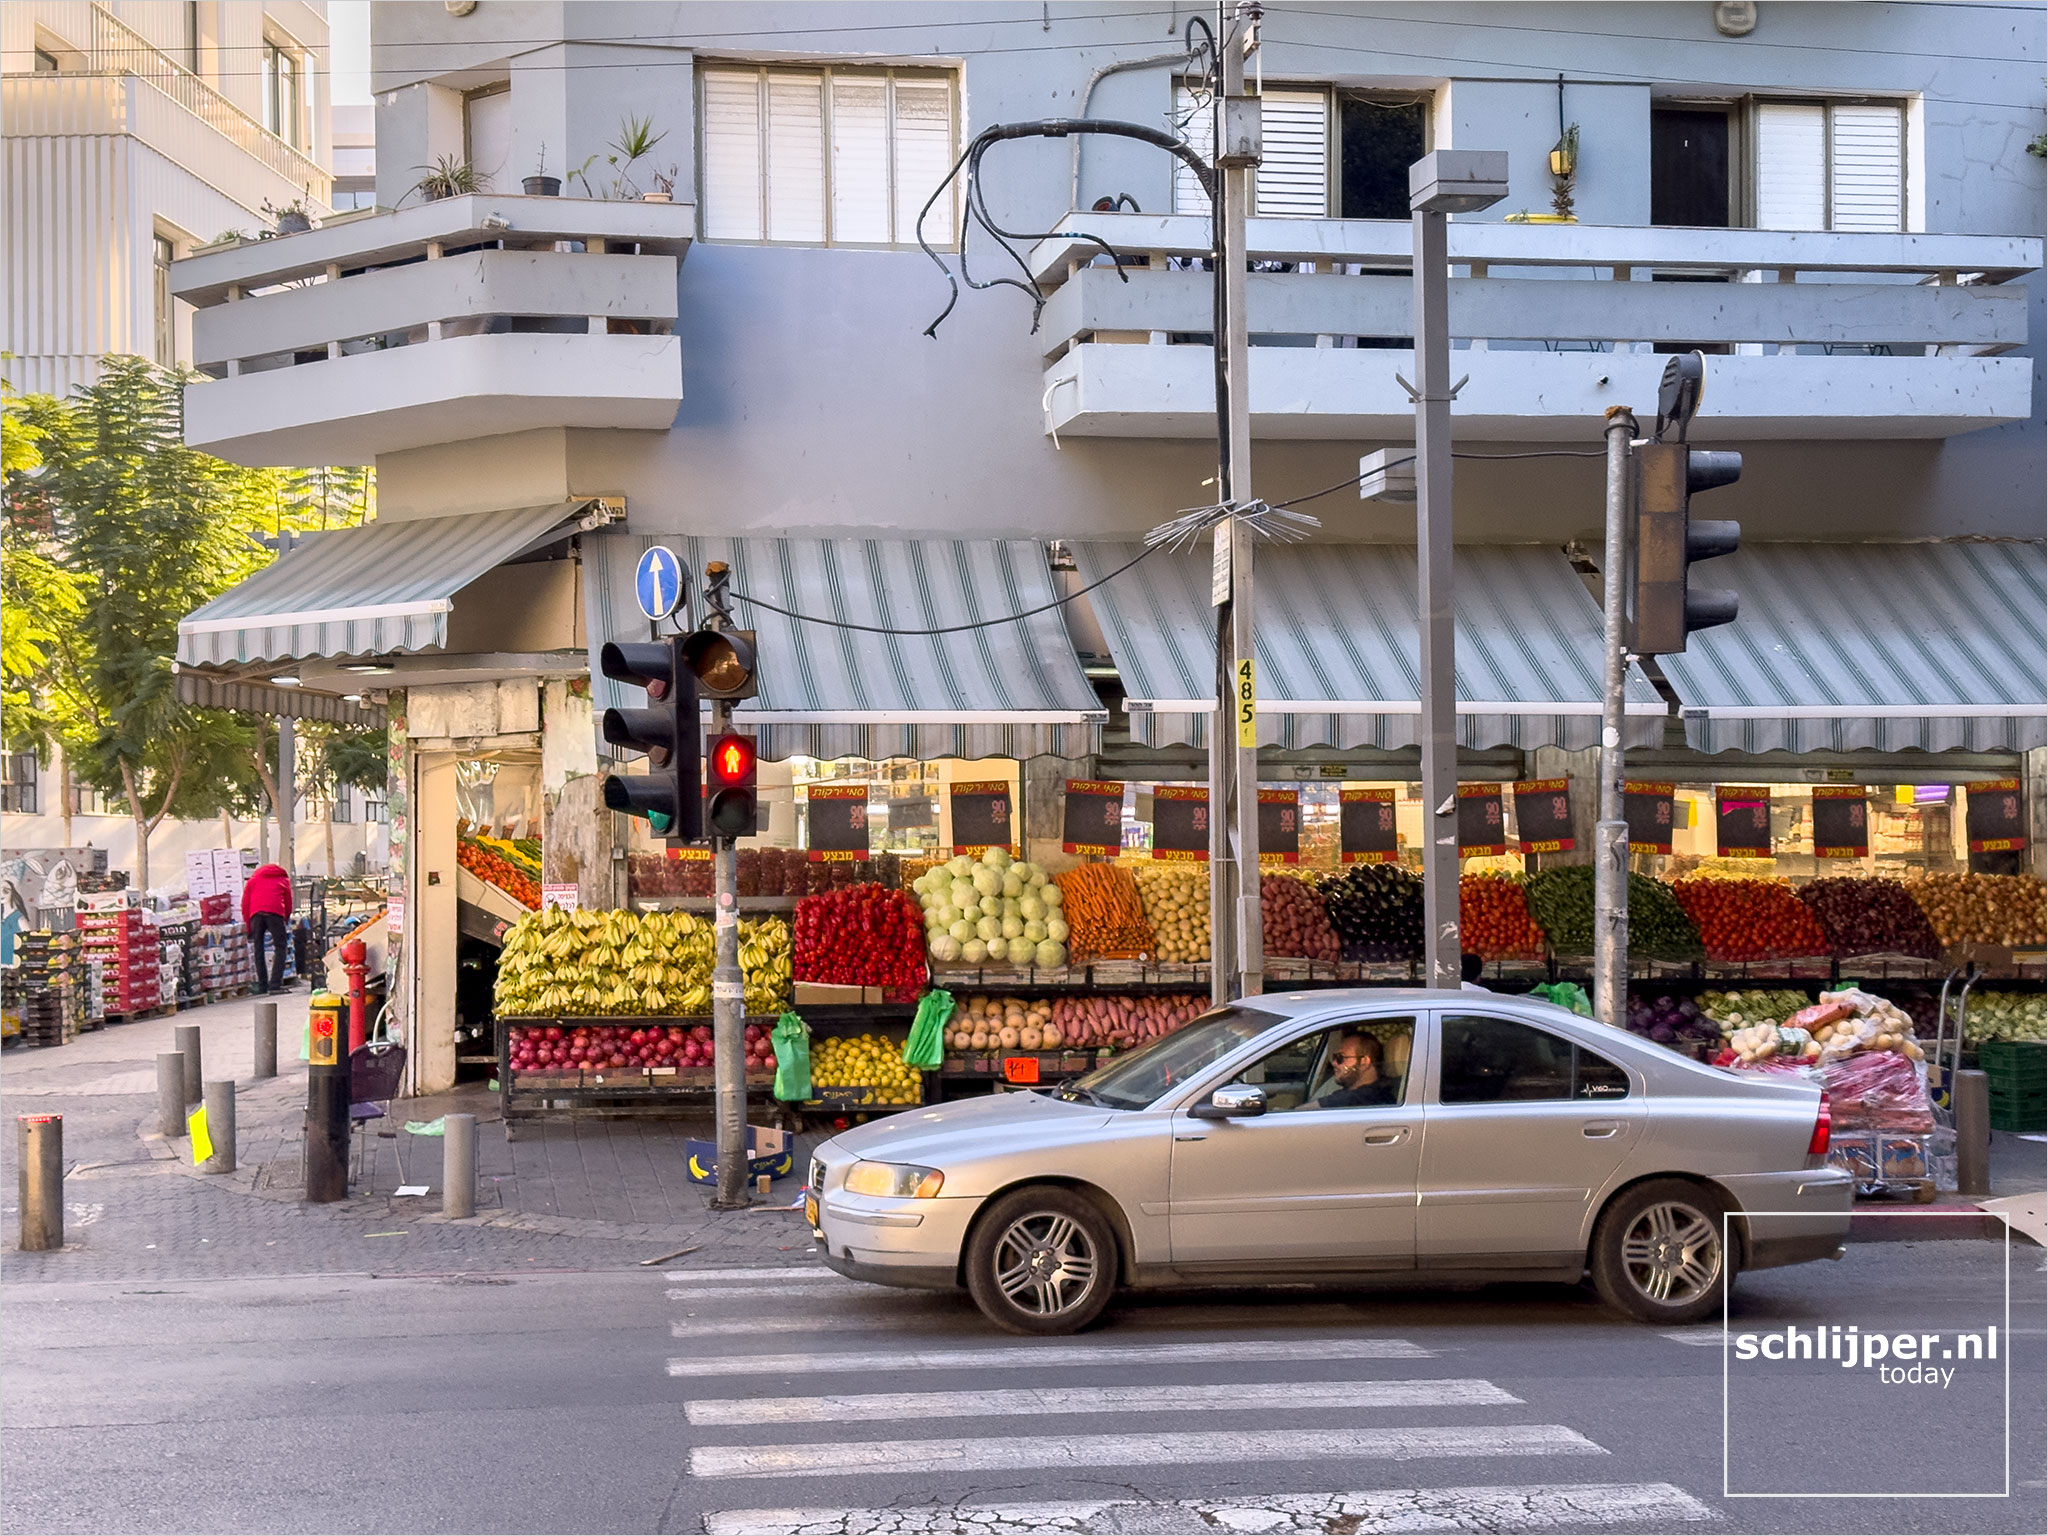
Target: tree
[[330, 756]]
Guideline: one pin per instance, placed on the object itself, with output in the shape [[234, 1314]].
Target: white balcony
[[470, 317], [1825, 335]]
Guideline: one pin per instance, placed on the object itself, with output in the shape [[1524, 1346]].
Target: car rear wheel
[[1042, 1260], [1659, 1254]]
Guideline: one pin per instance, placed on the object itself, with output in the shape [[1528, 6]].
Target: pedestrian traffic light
[[722, 661], [669, 796], [733, 807], [1663, 604]]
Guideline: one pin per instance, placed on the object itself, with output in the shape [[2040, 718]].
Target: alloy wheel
[[1671, 1253], [1045, 1263]]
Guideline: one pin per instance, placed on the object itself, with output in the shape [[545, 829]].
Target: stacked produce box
[[124, 937], [43, 987], [219, 954]]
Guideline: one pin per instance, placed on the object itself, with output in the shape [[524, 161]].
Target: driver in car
[[1355, 1065]]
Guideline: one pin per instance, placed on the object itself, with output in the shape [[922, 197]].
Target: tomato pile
[[1750, 919], [863, 936], [500, 871], [1493, 918]]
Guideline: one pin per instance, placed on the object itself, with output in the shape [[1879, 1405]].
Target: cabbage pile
[[993, 909]]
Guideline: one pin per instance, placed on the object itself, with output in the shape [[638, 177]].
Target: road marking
[[1706, 1338], [869, 1407], [798, 1272], [808, 1284], [863, 1317], [1536, 1506], [1028, 1356], [853, 1458]]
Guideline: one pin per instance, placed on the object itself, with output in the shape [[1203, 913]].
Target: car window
[[1140, 1077], [1356, 1065], [1495, 1060]]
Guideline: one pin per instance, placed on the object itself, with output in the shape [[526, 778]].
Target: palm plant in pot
[[448, 176]]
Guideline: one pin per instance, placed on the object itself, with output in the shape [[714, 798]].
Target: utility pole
[[728, 987], [1610, 837], [1237, 953]]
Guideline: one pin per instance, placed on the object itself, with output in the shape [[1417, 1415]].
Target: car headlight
[[904, 1181]]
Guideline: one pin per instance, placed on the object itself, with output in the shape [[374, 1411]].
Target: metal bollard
[[186, 1038], [170, 1093], [1971, 1101], [220, 1127], [41, 1154], [266, 1039], [458, 1166], [327, 1089]]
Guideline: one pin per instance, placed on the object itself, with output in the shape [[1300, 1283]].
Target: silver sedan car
[[1338, 1136]]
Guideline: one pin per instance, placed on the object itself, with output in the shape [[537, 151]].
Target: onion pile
[[1293, 921], [1865, 915], [1176, 902], [1983, 909]]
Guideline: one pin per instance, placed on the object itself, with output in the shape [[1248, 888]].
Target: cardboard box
[[227, 869], [818, 994], [768, 1151]]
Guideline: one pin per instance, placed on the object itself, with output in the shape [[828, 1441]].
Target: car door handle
[[1600, 1131], [1386, 1135]]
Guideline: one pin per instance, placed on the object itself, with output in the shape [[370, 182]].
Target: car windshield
[[1135, 1080]]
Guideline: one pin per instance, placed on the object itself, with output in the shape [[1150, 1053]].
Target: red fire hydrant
[[355, 961]]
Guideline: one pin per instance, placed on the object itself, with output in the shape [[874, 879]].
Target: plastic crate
[[2015, 1065]]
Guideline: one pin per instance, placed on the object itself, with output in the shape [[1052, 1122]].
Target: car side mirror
[[1233, 1101]]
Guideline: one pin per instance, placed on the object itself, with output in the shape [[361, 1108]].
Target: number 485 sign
[[1247, 706]]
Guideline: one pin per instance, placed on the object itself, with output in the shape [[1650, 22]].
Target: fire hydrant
[[355, 961]]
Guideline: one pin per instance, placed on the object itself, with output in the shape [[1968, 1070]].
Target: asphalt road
[[746, 1400]]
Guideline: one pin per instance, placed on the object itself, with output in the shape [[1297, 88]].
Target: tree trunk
[[329, 830], [63, 777], [134, 792]]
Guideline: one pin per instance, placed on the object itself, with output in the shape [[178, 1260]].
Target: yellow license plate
[[811, 1209]]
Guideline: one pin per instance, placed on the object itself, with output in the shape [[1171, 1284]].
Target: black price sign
[[838, 822], [1279, 826], [1093, 818], [910, 813], [1180, 822], [1482, 826], [1648, 808], [1742, 821], [1996, 819], [1365, 826], [1841, 822], [981, 817], [1543, 815]]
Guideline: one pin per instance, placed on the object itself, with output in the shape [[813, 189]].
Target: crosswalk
[[796, 1380]]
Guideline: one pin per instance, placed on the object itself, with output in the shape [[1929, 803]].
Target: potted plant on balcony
[[540, 183], [448, 176], [291, 219], [664, 186], [635, 142]]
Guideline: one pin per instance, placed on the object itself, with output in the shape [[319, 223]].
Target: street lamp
[[1441, 183]]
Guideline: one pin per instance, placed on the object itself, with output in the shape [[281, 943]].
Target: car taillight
[[1817, 1144]]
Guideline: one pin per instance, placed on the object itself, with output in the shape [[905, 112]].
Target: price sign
[[838, 822], [1482, 828], [1365, 826], [1180, 822], [1742, 821], [560, 898], [1247, 706], [1841, 822], [910, 813], [982, 818], [1647, 807], [1092, 820], [1279, 826], [1543, 815], [1996, 819]]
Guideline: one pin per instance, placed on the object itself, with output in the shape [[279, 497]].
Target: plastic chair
[[375, 1071]]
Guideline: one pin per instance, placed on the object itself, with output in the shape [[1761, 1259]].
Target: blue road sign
[[658, 582]]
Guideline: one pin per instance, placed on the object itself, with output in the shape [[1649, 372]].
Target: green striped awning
[[1009, 690], [1336, 644], [1860, 647], [385, 587]]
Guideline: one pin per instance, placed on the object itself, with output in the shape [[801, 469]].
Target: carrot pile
[[1103, 912]]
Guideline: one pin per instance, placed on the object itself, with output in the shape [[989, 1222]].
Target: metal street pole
[[1237, 957], [728, 990], [1610, 837]]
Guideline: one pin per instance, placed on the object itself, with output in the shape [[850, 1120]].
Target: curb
[[1912, 1224]]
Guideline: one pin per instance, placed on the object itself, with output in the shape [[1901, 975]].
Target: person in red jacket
[[267, 909]]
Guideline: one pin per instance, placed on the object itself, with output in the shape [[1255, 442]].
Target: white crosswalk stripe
[[822, 1314], [796, 1273], [1029, 1356]]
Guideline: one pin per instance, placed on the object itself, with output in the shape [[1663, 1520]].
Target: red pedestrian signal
[[734, 806]]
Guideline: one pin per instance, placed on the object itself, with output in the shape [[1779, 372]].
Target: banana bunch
[[767, 963], [586, 964]]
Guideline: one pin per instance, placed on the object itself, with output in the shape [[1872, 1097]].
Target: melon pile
[[994, 909], [1004, 1023]]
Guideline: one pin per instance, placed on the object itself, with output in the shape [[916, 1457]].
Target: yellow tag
[[1247, 706], [202, 1143]]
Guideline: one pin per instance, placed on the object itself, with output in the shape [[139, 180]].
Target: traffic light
[[1663, 604], [733, 806], [722, 661], [667, 731]]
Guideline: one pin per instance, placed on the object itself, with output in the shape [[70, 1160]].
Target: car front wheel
[[1042, 1260], [1659, 1253]]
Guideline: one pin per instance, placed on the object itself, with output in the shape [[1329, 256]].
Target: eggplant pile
[[1669, 1020], [1376, 910]]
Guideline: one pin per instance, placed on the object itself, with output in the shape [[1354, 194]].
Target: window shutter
[[1199, 129], [1293, 178], [1791, 166], [1866, 179], [732, 154], [924, 153], [860, 160], [796, 157]]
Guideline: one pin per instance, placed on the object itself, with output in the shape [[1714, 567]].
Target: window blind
[[1791, 166], [796, 157], [1834, 165], [924, 153], [1293, 178], [1866, 167], [860, 161], [732, 155]]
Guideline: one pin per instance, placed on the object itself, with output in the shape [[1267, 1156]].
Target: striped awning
[[1336, 643], [1861, 647], [1010, 690], [279, 703], [385, 587]]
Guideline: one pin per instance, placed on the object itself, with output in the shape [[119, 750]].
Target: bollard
[[266, 1039], [170, 1093], [220, 1127], [1971, 1101], [41, 1155], [327, 1084], [186, 1038], [458, 1166]]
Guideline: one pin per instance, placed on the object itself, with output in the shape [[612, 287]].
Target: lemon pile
[[871, 1061]]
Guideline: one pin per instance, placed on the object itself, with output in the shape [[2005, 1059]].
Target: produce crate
[[2018, 1073]]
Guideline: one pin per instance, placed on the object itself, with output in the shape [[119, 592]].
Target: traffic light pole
[[1610, 837], [728, 1010]]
